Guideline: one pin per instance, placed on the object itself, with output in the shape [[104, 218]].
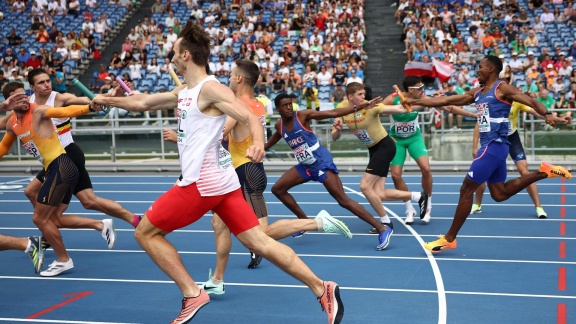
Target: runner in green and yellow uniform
[[407, 135]]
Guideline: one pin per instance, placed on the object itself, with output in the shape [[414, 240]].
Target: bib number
[[483, 119], [224, 159], [406, 129], [364, 137], [33, 150], [304, 155]]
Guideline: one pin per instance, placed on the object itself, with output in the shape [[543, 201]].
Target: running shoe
[[373, 230], [331, 302], [476, 209], [554, 171], [298, 234], [36, 253], [211, 288], [541, 213], [410, 213], [332, 225], [384, 238], [56, 268], [108, 232], [45, 244], [440, 244], [427, 216], [423, 203], [254, 260], [191, 306]]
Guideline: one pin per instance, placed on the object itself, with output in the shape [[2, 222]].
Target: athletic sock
[[320, 224], [384, 219], [216, 282], [136, 220], [409, 205], [429, 203], [416, 196], [28, 247]]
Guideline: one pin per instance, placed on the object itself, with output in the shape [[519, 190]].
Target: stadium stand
[[534, 39]]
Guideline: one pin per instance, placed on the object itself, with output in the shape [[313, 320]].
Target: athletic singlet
[[203, 160], [365, 124], [62, 124], [404, 125], [43, 149], [304, 143], [238, 149], [493, 116], [514, 114]]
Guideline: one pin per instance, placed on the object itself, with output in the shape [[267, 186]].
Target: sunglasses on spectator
[[421, 87]]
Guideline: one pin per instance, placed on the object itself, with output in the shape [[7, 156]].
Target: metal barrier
[[123, 144]]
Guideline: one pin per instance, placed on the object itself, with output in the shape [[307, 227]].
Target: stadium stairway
[[113, 44], [385, 63]]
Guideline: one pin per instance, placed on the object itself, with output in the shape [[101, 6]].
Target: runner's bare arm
[[69, 99], [337, 128], [458, 100], [333, 113], [142, 102], [274, 138], [230, 124], [511, 94]]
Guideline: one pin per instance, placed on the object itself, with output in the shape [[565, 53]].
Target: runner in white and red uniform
[[209, 181]]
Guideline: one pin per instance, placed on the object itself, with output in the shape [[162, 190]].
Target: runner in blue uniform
[[315, 162], [493, 101]]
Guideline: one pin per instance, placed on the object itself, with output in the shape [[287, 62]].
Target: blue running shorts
[[316, 171], [516, 148], [489, 164]]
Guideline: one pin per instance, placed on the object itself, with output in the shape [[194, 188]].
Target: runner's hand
[[255, 153], [14, 101], [338, 124], [169, 135]]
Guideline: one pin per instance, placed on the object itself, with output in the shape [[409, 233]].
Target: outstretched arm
[[458, 111], [70, 111], [69, 99], [7, 142], [511, 94], [142, 102], [458, 100], [333, 113]]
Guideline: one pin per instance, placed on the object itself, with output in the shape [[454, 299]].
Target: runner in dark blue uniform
[[493, 101], [315, 162]]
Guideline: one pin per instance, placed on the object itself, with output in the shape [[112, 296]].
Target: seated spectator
[[158, 7], [62, 50], [547, 17], [74, 7], [324, 78], [337, 95], [23, 55], [507, 75], [101, 27], [278, 84], [162, 52], [309, 75], [293, 82], [530, 88], [557, 86], [34, 61], [516, 63], [354, 78], [75, 53], [135, 70], [42, 35], [96, 83], [19, 6], [169, 21]]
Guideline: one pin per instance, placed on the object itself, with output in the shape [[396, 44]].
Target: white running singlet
[[62, 125], [203, 160]]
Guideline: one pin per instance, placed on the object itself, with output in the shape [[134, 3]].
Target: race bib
[[224, 159], [364, 137], [406, 129], [483, 118], [33, 150], [304, 155]]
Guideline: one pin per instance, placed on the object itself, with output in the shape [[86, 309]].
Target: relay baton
[[402, 98], [123, 85], [175, 77], [75, 82]]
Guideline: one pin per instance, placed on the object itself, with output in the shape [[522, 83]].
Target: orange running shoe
[[191, 306], [554, 171], [440, 244], [331, 302]]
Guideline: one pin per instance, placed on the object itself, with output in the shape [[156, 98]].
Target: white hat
[[501, 56], [108, 78], [562, 53], [32, 52], [514, 53], [13, 70], [550, 66], [530, 53]]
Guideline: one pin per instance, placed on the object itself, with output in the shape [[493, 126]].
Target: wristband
[[355, 108], [548, 113]]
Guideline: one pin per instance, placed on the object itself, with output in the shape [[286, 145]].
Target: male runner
[[367, 127], [516, 153], [32, 246], [315, 162], [208, 179], [43, 95], [31, 124], [407, 137], [493, 101]]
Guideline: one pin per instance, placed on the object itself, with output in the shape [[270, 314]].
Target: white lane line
[[36, 320], [442, 308]]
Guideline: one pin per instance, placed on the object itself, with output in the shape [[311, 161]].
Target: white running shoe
[[332, 225], [56, 268], [108, 232], [476, 209], [410, 213], [427, 216]]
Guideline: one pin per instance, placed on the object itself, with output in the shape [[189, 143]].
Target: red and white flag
[[435, 69]]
